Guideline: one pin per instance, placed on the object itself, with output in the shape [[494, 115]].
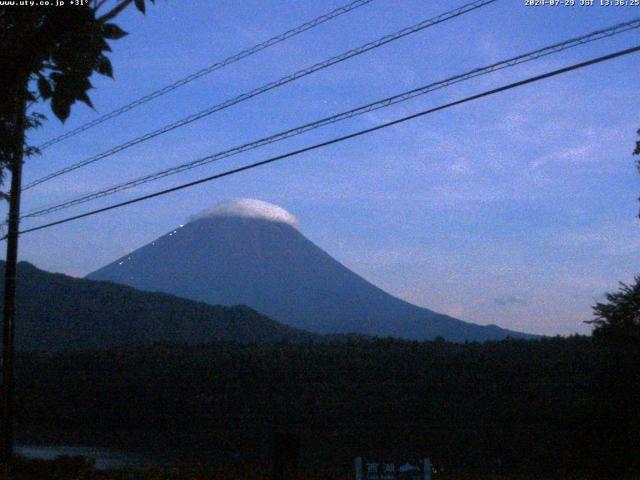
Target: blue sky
[[519, 209]]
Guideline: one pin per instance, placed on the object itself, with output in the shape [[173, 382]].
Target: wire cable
[[210, 69], [269, 86], [405, 96], [359, 133]]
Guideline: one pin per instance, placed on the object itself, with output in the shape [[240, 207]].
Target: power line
[[405, 96], [210, 69], [486, 93], [270, 86]]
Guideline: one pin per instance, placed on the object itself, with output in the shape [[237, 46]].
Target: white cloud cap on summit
[[248, 208]]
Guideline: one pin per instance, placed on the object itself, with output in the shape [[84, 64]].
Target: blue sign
[[372, 469]]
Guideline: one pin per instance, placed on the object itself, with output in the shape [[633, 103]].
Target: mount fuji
[[251, 252]]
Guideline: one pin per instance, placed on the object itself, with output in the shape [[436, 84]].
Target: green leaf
[[113, 31], [84, 98], [44, 87], [102, 44], [61, 107], [103, 66], [140, 5]]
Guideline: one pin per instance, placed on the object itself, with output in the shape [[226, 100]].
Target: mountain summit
[[251, 252]]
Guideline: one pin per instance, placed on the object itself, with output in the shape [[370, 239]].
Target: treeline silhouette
[[553, 406]]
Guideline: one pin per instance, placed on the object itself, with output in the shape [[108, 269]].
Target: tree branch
[[115, 11], [99, 3]]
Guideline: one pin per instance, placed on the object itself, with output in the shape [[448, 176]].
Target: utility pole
[[10, 274], [38, 44]]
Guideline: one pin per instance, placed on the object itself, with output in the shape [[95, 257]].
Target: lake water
[[104, 458]]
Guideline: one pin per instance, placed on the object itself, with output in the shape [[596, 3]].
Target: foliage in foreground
[[49, 54], [559, 406], [79, 469]]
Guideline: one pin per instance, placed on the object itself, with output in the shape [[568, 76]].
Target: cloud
[[565, 155], [249, 208], [510, 300]]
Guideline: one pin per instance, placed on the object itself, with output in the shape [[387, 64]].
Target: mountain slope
[[252, 253], [57, 312]]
